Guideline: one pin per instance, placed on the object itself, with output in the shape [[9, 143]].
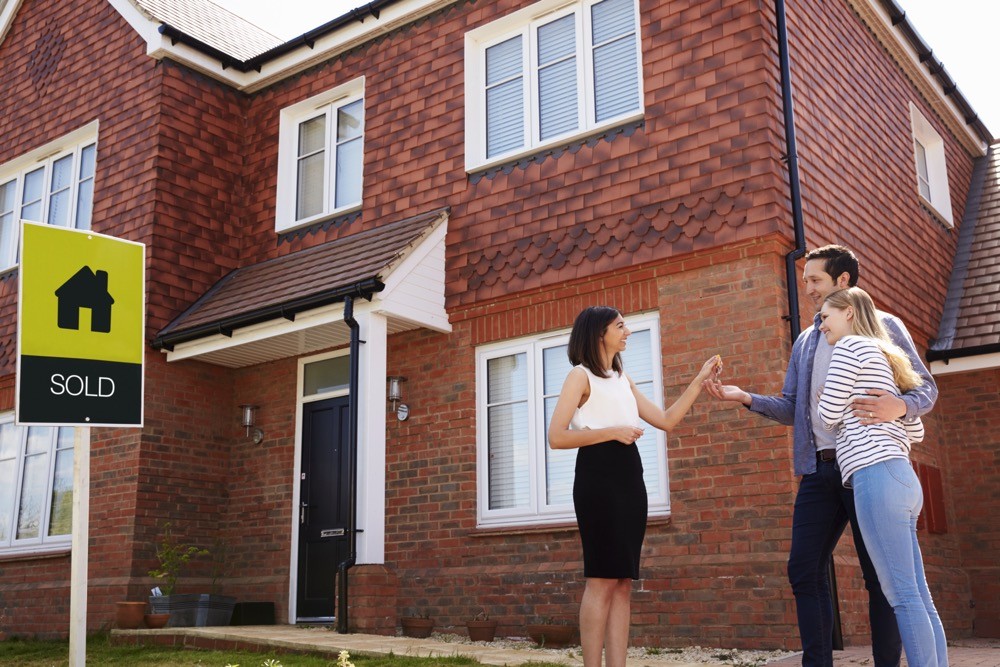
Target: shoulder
[[891, 322], [855, 344]]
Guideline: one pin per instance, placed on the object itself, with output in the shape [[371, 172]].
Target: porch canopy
[[293, 305]]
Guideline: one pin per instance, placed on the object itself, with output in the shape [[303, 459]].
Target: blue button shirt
[[792, 406]]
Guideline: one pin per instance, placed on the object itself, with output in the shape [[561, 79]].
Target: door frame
[[371, 447]]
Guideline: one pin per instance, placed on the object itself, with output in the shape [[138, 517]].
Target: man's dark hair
[[838, 260], [585, 340]]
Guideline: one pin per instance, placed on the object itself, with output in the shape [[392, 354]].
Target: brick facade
[[684, 214]]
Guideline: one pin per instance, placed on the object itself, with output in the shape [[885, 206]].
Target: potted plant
[[185, 609], [128, 615], [550, 633], [481, 627], [419, 625]]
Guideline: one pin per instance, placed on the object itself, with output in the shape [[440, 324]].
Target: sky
[[958, 31]]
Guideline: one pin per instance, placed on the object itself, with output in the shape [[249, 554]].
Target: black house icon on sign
[[86, 289]]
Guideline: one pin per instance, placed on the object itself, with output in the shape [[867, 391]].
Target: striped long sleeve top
[[856, 366]]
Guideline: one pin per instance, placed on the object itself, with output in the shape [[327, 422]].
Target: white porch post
[[371, 437]]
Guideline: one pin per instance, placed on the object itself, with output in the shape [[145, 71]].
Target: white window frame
[[290, 119], [537, 513], [43, 542], [525, 22], [930, 161], [71, 146]]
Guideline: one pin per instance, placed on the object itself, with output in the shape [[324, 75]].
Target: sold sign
[[81, 313]]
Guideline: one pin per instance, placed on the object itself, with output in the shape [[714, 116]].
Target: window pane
[[61, 512], [310, 187], [85, 194], [8, 224], [507, 378], [637, 357], [33, 489], [555, 365], [557, 83], [616, 64], [8, 470], [9, 441], [328, 375], [504, 61], [312, 136], [560, 465], [59, 192], [31, 199], [505, 121], [39, 439], [350, 156], [509, 468], [922, 175], [350, 121], [612, 19]]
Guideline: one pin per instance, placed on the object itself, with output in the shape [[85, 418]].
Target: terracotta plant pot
[[128, 615], [155, 621], [551, 635], [481, 631], [420, 628]]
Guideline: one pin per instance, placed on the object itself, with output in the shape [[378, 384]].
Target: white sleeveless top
[[610, 403]]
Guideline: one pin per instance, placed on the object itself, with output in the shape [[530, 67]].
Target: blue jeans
[[888, 499], [823, 508]]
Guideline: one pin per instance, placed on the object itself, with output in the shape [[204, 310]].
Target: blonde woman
[[874, 460]]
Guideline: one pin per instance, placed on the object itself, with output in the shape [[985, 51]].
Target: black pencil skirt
[[609, 496]]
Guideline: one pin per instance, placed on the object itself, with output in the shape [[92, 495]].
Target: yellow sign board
[[81, 316]]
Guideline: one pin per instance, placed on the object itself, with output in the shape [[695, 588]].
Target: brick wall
[[969, 409]]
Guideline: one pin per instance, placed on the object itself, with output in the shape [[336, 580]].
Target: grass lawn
[[33, 653]]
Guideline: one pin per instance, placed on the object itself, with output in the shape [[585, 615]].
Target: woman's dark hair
[[585, 340]]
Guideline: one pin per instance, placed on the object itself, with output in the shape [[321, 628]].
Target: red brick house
[[431, 190]]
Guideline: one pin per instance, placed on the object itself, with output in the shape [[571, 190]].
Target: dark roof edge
[[936, 68], [308, 40], [971, 351], [364, 288], [963, 253]]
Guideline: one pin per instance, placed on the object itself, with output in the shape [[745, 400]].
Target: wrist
[[747, 399]]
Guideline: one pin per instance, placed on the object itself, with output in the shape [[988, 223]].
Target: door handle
[[302, 513]]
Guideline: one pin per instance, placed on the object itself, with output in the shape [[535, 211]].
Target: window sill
[[935, 213], [547, 529], [61, 551]]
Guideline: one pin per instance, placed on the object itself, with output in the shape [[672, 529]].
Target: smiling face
[[819, 283], [614, 338], [836, 322]]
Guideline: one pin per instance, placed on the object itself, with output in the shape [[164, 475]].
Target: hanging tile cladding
[[711, 125], [855, 149]]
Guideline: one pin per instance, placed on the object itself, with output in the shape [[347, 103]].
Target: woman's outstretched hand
[[710, 369]]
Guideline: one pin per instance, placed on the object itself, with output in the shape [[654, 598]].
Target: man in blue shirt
[[823, 506]]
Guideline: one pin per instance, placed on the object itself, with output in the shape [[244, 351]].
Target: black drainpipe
[[791, 272], [352, 467], [792, 159]]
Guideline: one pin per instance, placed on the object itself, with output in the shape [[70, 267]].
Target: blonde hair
[[868, 324]]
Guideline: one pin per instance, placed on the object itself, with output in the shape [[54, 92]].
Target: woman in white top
[[598, 413], [874, 460]]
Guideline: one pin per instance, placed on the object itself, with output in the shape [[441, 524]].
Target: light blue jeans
[[888, 498]]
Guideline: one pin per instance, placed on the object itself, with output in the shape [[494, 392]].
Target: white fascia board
[[257, 332], [943, 103], [8, 8], [980, 362], [343, 39]]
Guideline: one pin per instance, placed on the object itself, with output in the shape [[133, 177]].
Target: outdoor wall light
[[248, 420], [394, 394]]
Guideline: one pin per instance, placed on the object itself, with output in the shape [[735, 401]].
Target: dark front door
[[323, 518]]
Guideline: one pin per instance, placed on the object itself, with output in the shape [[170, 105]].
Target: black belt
[[826, 455]]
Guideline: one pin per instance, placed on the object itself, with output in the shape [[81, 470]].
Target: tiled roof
[[971, 319], [298, 281], [212, 25]]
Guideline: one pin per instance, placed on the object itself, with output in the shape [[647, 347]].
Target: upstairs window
[[36, 486], [321, 157], [52, 185], [521, 480], [930, 167], [549, 73]]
